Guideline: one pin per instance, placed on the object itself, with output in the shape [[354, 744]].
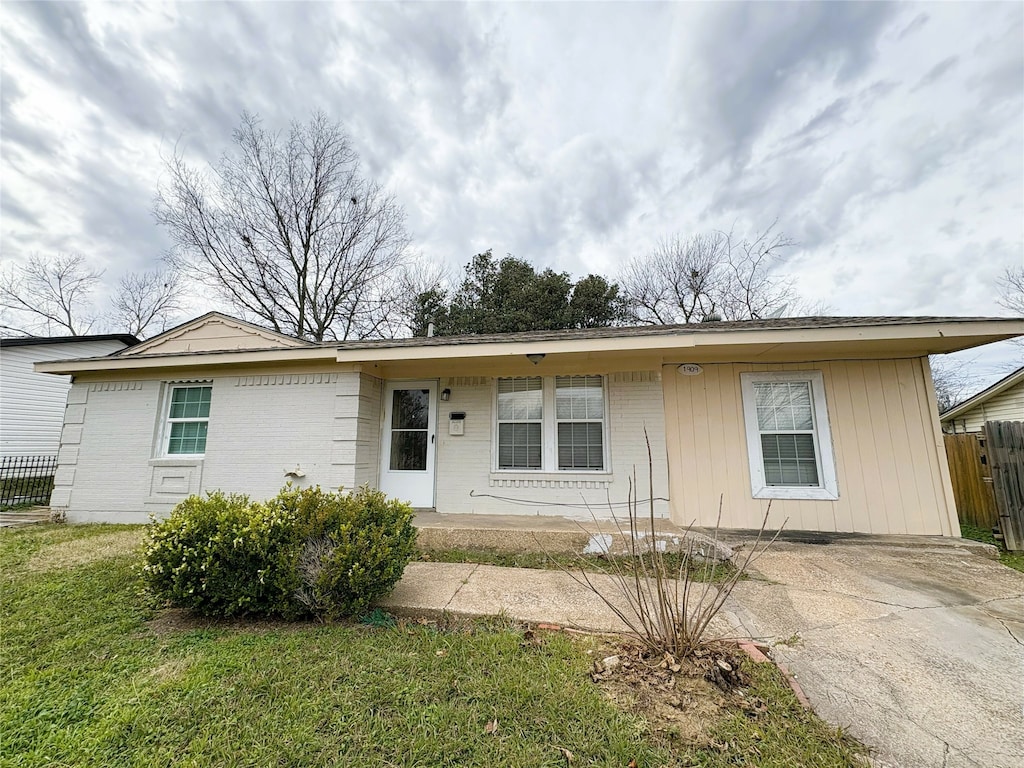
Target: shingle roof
[[25, 341], [781, 323]]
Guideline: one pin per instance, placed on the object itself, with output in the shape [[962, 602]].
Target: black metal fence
[[26, 480]]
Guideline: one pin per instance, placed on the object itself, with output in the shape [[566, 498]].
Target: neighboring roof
[[195, 344], [25, 341], [213, 331], [985, 395]]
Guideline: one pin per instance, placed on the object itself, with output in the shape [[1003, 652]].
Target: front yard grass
[[94, 675], [1014, 560]]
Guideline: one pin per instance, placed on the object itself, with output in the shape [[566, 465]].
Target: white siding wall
[[32, 404], [1006, 406], [464, 463], [111, 465]]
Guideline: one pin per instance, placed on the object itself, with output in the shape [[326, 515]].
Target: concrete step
[[543, 533]]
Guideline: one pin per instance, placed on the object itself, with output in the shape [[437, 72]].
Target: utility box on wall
[[457, 423]]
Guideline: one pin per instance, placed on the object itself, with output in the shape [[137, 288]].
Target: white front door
[[408, 441]]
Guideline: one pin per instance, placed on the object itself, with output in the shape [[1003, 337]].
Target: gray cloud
[[886, 141]]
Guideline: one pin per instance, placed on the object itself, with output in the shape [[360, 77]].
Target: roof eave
[[922, 338]]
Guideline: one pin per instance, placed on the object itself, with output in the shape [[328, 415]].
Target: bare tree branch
[[687, 280], [146, 302], [1012, 290], [49, 295], [289, 232]]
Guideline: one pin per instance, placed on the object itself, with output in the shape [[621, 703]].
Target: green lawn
[[1014, 560], [89, 678]]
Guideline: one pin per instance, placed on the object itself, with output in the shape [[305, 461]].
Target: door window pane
[[409, 450], [410, 409]]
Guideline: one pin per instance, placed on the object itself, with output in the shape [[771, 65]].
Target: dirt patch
[[681, 701], [173, 620], [68, 554]]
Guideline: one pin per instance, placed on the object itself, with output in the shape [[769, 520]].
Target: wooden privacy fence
[[971, 475], [1006, 458]]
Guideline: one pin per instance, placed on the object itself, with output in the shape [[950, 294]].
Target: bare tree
[[716, 275], [147, 302], [1012, 289], [49, 295], [951, 379], [289, 231]]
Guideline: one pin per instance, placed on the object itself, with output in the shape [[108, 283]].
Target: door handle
[[432, 439]]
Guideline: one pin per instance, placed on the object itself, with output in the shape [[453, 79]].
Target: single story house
[[833, 420], [1003, 401], [31, 403]]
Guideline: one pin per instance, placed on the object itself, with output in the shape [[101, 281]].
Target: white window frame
[[828, 488], [166, 421], [549, 432]]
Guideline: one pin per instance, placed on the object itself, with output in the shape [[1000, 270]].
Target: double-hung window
[[579, 411], [188, 418], [788, 437], [520, 423], [551, 424]]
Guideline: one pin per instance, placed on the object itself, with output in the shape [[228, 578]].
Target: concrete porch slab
[[530, 533]]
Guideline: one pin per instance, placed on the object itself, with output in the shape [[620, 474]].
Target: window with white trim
[[788, 437], [551, 423], [188, 418], [520, 423]]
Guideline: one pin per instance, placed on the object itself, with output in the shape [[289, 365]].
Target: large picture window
[[551, 424], [188, 419], [788, 438]]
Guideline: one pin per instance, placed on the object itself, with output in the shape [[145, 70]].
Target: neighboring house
[[31, 403], [832, 420], [1003, 401]]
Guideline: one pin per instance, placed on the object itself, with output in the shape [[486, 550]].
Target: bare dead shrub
[[668, 603]]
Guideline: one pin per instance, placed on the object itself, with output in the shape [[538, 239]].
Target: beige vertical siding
[[890, 465]]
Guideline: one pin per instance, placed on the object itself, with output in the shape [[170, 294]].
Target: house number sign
[[690, 369]]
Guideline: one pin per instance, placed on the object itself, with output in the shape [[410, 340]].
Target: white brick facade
[[464, 463], [112, 465]]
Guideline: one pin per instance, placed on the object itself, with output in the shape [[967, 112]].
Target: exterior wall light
[[446, 394], [536, 357]]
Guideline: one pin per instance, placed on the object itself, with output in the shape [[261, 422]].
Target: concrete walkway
[[553, 597], [918, 651], [17, 518]]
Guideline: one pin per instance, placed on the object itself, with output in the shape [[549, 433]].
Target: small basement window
[[188, 419], [788, 438]]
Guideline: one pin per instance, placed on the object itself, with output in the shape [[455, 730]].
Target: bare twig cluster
[[711, 276], [669, 607]]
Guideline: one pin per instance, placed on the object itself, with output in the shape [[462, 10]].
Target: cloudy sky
[[887, 140]]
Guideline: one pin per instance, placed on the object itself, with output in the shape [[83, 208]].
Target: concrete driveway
[[918, 651]]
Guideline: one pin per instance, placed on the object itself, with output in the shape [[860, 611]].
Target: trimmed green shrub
[[223, 555], [304, 551], [354, 548]]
